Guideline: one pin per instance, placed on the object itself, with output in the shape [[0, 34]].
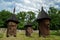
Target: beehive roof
[[13, 18], [43, 15]]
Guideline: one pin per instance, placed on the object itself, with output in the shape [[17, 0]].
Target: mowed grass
[[21, 36]]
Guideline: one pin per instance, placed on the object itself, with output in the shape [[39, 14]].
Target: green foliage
[[55, 18], [21, 16], [25, 17], [3, 17]]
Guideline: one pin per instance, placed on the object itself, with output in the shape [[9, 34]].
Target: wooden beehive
[[28, 29], [12, 25], [43, 22]]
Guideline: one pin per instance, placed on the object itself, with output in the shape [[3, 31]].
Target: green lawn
[[21, 36]]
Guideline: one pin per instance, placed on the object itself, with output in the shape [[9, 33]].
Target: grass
[[21, 36]]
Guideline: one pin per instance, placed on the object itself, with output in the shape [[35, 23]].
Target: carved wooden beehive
[[28, 29], [12, 25], [43, 22]]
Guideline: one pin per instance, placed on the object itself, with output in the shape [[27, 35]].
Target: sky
[[28, 5]]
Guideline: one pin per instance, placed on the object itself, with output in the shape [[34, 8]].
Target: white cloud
[[28, 5], [27, 1]]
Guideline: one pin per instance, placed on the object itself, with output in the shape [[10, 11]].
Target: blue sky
[[28, 5]]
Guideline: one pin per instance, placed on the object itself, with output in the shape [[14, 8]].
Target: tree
[[3, 17], [31, 18], [24, 17], [55, 18], [21, 16]]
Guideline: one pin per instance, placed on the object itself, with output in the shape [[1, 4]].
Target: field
[[21, 36]]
